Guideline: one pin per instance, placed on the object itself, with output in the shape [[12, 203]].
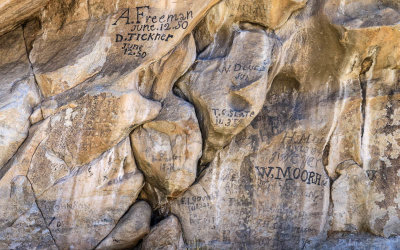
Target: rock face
[[168, 148], [166, 235], [218, 124], [18, 94], [131, 228]]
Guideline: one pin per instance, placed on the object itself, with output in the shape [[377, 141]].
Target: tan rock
[[135, 34], [131, 228], [363, 13], [373, 67], [168, 148], [18, 94], [15, 188], [268, 187], [156, 198], [268, 13], [82, 208], [228, 93], [349, 193], [13, 12], [21, 222], [167, 234], [29, 231], [87, 122], [157, 79]]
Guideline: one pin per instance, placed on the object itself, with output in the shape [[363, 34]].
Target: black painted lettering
[[318, 179], [161, 19], [170, 18], [287, 172], [140, 13], [306, 176], [237, 67], [125, 15], [169, 36], [296, 175], [262, 171], [311, 177], [189, 14], [119, 38]]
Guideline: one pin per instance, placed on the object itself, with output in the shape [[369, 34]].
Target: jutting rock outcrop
[[218, 124]]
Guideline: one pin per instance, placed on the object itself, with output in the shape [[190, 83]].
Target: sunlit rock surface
[[168, 148], [167, 234], [18, 94], [131, 228], [224, 124]]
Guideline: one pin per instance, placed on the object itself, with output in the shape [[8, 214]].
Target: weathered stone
[[349, 193], [228, 93], [15, 188], [167, 234], [269, 13], [366, 130], [13, 12], [268, 187], [363, 241], [156, 198], [18, 94], [29, 231], [312, 160], [168, 148], [135, 34], [82, 208], [131, 228], [84, 125], [363, 13], [157, 79]]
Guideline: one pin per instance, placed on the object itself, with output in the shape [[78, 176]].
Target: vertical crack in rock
[[28, 48], [41, 213], [365, 67]]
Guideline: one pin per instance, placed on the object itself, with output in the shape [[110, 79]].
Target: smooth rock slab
[[13, 12], [92, 38], [131, 228], [229, 92], [82, 208], [28, 232], [87, 122], [18, 94], [166, 235], [168, 148], [267, 188], [16, 190]]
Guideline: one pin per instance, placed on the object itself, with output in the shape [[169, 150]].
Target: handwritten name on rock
[[143, 26], [230, 117]]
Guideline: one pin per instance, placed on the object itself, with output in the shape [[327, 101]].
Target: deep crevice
[[365, 67]]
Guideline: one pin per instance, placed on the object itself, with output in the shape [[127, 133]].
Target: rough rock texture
[[13, 12], [218, 124], [168, 148], [131, 228], [165, 235], [18, 94]]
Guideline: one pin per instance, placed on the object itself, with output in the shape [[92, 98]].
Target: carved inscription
[[230, 117], [143, 26], [243, 71]]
